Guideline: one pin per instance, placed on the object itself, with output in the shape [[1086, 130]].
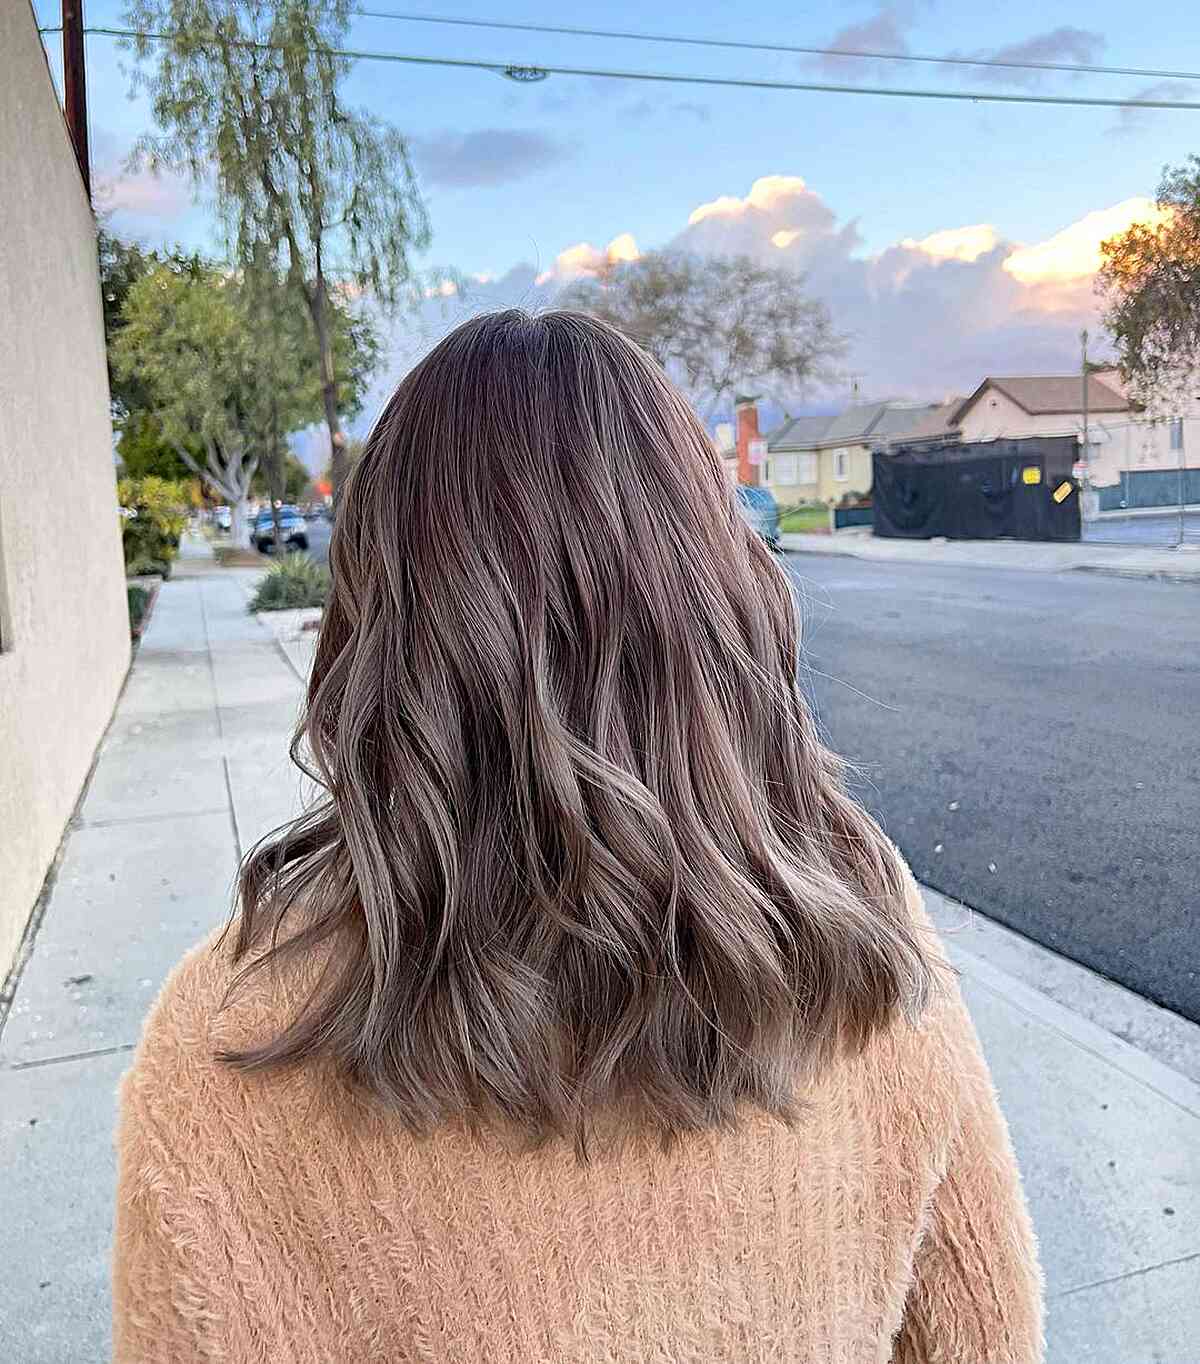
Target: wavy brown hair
[[581, 849]]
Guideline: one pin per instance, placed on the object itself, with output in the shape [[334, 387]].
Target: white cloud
[[765, 193], [585, 259], [926, 316], [1074, 253], [956, 243]]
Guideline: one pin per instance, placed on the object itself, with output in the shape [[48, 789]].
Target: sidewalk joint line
[[146, 819], [212, 677], [72, 1056], [1120, 1278]]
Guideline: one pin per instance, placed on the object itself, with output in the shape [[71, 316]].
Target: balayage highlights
[[582, 851]]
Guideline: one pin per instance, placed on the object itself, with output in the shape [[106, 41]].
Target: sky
[[949, 239]]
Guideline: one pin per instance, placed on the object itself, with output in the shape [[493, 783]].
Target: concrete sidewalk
[[1126, 561], [1100, 1088]]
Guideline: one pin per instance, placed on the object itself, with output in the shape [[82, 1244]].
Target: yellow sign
[[1062, 492], [1031, 474]]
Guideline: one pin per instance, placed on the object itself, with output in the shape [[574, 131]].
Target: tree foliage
[[122, 264], [1150, 276], [718, 325], [248, 96], [229, 365]]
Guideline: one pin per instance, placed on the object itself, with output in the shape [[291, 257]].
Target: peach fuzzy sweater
[[281, 1219]]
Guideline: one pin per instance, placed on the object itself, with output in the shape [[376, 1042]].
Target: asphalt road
[[319, 531], [1031, 742]]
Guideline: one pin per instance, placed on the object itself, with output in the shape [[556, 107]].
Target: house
[[822, 458], [1121, 439], [64, 623]]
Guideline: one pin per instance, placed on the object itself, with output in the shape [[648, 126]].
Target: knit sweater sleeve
[[976, 1291], [152, 1322]]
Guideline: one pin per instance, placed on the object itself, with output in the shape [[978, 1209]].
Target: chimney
[[745, 410]]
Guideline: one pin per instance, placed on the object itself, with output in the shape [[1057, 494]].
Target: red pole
[[75, 86]]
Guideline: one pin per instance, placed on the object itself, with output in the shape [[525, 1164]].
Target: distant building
[[1121, 440], [822, 458]]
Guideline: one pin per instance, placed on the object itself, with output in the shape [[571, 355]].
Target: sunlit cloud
[[1074, 253], [785, 237], [764, 194], [585, 259], [956, 243]]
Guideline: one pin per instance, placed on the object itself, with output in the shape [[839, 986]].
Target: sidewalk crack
[[1129, 1274]]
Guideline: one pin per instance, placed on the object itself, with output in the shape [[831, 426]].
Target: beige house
[[823, 458], [64, 625], [1120, 438]]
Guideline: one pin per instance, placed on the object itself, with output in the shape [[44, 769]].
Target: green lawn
[[804, 519]]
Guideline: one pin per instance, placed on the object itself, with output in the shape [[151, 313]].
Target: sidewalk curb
[[1131, 1061]]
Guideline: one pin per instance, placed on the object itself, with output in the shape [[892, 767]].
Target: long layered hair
[[581, 849]]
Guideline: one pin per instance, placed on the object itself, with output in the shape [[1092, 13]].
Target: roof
[[1047, 394], [853, 426], [868, 423]]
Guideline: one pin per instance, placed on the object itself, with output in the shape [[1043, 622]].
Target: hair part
[[580, 847]]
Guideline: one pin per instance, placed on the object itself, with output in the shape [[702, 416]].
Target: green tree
[[718, 325], [121, 264], [1150, 276], [248, 96], [144, 451], [290, 484], [230, 366]]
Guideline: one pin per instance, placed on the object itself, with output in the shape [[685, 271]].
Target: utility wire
[[742, 45], [524, 72]]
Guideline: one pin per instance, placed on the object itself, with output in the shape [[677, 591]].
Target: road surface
[[1030, 741]]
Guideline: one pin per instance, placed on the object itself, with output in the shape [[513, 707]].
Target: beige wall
[[826, 487], [64, 631], [1116, 440], [995, 416]]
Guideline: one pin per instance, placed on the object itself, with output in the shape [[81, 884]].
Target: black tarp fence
[[1015, 489]]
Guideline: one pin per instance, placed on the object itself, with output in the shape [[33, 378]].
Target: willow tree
[[1150, 276], [247, 95]]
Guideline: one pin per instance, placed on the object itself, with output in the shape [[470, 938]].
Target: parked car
[[292, 527], [760, 511], [222, 518]]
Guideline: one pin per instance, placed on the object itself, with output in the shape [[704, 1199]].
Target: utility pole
[[75, 87], [1083, 338]]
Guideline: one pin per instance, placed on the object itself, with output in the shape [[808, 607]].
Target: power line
[[524, 72], [1078, 68]]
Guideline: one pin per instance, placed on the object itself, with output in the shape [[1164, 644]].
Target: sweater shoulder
[[179, 1082]]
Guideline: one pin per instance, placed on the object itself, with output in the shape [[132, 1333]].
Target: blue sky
[[519, 174]]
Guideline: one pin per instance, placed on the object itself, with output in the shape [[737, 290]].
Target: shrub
[[139, 598], [291, 582], [153, 514]]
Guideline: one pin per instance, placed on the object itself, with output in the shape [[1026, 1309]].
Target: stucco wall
[[827, 487], [1116, 440], [64, 633]]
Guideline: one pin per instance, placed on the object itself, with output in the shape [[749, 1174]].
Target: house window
[[784, 469], [1175, 427], [841, 465], [806, 468]]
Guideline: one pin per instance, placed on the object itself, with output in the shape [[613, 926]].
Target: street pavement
[[1100, 1087], [319, 531], [1029, 741]]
